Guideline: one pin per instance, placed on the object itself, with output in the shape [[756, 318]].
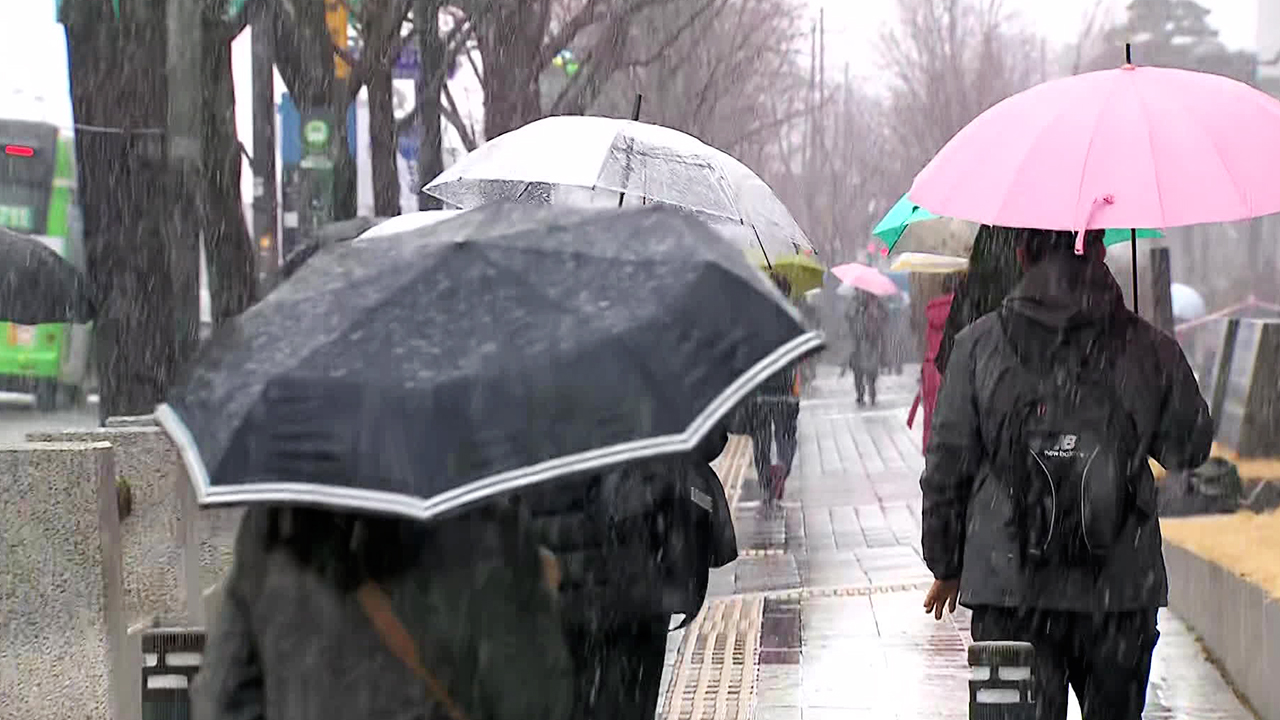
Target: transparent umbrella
[[580, 160]]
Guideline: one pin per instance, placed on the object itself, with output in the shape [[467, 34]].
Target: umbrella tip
[[1128, 56]]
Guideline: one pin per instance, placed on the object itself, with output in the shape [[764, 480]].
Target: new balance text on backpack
[[1068, 454]]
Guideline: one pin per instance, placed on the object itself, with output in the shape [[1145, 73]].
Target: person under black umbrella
[[425, 375], [637, 544], [772, 415], [352, 615], [37, 285]]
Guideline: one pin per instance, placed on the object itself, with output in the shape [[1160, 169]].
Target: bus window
[[28, 158]]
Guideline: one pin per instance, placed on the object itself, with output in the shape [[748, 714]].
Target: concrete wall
[[62, 630], [1238, 622], [160, 573]]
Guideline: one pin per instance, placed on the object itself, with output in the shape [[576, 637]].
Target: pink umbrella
[[865, 278], [1134, 147]]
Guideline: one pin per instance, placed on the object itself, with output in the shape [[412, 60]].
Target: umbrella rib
[[1226, 168], [1151, 149], [523, 278], [1088, 152]]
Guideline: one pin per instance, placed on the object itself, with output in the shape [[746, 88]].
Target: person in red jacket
[[935, 313]]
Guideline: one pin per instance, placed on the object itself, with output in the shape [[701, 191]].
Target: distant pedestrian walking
[[1039, 506], [772, 415], [867, 320]]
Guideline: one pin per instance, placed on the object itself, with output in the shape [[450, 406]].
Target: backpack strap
[[377, 607]]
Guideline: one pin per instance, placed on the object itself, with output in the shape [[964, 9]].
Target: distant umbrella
[[1187, 303], [37, 285]]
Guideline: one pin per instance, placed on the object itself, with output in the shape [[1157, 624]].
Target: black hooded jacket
[[967, 515], [608, 580]]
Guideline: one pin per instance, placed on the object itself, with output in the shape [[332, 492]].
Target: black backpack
[[1069, 452]]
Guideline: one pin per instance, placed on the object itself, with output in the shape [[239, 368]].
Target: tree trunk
[[117, 81], [304, 57], [382, 143], [429, 85], [344, 166], [511, 45], [229, 247]]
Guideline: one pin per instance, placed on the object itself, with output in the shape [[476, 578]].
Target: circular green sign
[[316, 134]]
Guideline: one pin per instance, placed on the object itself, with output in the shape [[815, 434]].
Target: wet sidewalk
[[821, 615]]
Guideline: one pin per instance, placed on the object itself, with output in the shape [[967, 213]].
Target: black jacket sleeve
[[230, 684], [713, 444], [952, 461], [1185, 433]]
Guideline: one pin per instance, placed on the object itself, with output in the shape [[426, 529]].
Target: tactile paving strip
[[714, 677], [732, 466], [840, 591]]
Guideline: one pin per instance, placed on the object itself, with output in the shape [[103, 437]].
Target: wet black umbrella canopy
[[37, 285], [420, 372]]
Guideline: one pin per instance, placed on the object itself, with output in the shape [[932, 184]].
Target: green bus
[[38, 197]]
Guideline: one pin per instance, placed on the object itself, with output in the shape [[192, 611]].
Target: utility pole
[[822, 77], [265, 206], [809, 119], [431, 71], [184, 46]]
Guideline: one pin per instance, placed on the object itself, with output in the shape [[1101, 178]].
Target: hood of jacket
[[1061, 302]]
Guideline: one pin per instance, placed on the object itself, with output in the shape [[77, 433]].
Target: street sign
[[316, 134], [406, 64]]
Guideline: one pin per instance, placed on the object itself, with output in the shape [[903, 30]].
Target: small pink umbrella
[[865, 278], [1134, 147]]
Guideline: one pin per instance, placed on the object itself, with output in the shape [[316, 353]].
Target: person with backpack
[[637, 543], [1039, 506]]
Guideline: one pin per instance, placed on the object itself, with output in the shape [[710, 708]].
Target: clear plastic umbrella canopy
[[580, 160]]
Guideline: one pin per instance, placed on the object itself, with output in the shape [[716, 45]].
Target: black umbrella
[[37, 285], [507, 346]]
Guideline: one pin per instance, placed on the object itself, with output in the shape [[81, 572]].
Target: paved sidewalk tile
[[821, 618]]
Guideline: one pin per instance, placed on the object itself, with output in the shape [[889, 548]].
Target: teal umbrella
[[905, 213]]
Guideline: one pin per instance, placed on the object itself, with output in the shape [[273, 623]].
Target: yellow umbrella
[[802, 270], [919, 262]]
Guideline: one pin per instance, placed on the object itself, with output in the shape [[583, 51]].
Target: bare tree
[[853, 180], [519, 38], [950, 60], [723, 71]]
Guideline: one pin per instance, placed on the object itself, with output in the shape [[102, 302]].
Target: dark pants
[[774, 422], [618, 671], [1104, 657], [864, 381]]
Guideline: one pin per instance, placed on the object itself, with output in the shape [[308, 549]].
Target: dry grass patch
[[1249, 468], [1245, 543]]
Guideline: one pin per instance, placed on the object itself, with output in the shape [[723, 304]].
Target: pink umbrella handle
[[1093, 209]]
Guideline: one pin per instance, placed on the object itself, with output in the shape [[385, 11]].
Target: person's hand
[[943, 594], [552, 573]]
